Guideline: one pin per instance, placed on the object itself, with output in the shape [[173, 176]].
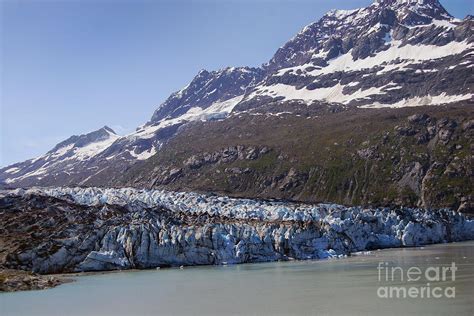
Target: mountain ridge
[[391, 54]]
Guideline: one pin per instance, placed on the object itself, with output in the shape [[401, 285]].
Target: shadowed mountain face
[[351, 67]]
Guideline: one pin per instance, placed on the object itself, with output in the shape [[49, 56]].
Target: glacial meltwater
[[366, 283]]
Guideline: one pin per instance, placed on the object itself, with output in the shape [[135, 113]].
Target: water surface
[[337, 286]]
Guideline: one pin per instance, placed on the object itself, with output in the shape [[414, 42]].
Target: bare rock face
[[412, 178], [292, 179], [227, 155], [64, 230]]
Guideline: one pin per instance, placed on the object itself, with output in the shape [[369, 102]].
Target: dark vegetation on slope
[[419, 156]]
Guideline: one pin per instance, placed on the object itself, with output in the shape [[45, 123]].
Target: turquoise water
[[338, 286]]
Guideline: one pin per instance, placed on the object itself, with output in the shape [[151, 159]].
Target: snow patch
[[422, 101], [340, 14], [95, 148], [331, 94], [413, 53], [144, 154], [12, 170]]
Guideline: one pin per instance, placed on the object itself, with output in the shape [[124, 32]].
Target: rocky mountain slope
[[411, 156], [340, 93], [65, 230]]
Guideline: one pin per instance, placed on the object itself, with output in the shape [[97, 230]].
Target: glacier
[[95, 229]]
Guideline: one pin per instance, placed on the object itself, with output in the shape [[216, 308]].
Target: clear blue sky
[[70, 67]]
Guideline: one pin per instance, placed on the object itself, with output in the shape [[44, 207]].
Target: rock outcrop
[[17, 280]]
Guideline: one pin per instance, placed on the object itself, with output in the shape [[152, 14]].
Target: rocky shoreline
[[64, 230], [18, 280]]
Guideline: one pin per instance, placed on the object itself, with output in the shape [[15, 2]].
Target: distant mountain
[[65, 158], [391, 54]]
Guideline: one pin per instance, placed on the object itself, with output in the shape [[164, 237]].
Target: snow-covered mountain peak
[[109, 130], [104, 134], [425, 10], [207, 88], [407, 2], [364, 56]]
